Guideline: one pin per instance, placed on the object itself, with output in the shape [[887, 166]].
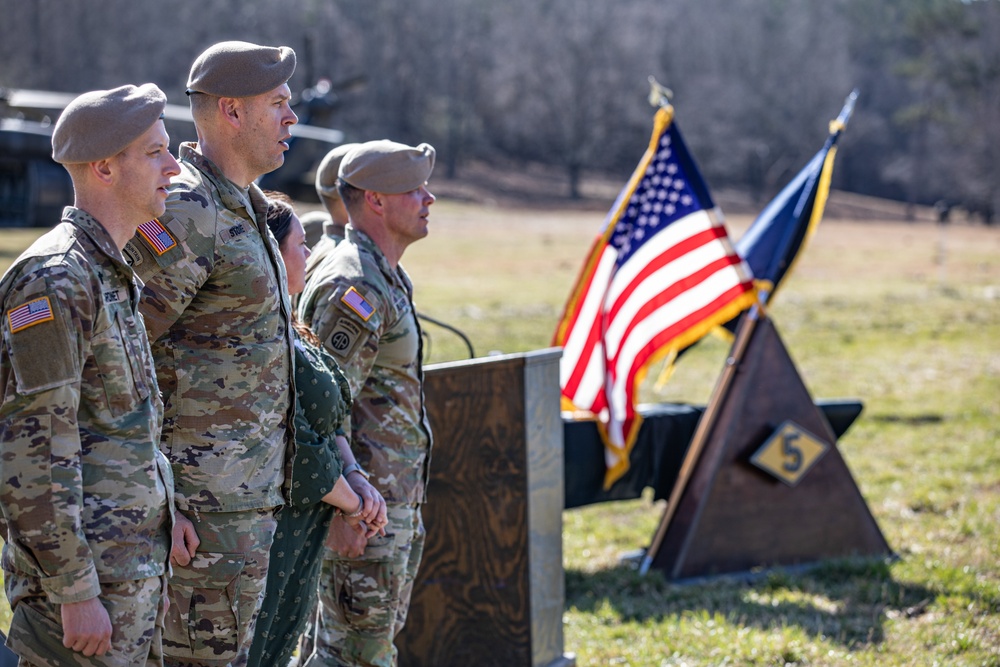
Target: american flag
[[34, 312], [157, 236], [661, 274], [358, 303]]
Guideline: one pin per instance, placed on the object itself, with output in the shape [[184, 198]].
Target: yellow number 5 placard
[[789, 453]]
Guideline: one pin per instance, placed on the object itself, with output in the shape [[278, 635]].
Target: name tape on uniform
[[234, 232], [114, 295]]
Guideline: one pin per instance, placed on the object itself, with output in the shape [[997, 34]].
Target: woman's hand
[[374, 514], [344, 540]]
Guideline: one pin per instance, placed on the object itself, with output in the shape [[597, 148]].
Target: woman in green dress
[[319, 486]]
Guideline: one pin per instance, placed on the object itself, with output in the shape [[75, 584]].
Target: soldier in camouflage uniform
[[218, 317], [333, 218], [84, 488], [360, 304]]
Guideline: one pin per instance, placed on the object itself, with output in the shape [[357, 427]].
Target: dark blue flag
[[778, 235]]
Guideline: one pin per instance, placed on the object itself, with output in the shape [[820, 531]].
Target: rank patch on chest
[[157, 236], [358, 304], [34, 312], [114, 295]]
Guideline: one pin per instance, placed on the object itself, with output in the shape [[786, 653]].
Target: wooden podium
[[490, 590]]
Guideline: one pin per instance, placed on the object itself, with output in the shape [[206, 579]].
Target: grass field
[[905, 317]]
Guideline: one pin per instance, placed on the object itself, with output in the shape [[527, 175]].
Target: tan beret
[[100, 124], [326, 173], [240, 69], [388, 167]]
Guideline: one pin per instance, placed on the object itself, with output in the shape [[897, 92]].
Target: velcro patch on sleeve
[[355, 301], [29, 314], [44, 357], [157, 236]]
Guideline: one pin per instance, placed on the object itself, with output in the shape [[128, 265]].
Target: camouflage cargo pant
[[363, 601], [214, 601], [134, 607]]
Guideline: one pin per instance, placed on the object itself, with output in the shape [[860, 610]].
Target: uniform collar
[[397, 276], [90, 226], [233, 196], [330, 227], [365, 242]]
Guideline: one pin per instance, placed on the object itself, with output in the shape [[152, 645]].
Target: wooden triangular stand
[[728, 514]]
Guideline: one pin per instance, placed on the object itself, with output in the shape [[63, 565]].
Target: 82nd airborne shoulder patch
[[345, 338]]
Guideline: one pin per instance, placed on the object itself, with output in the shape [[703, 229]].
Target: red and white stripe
[[680, 278]]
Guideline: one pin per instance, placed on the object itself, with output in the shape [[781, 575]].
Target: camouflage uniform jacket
[[319, 252], [218, 316], [323, 249], [362, 310], [85, 491]]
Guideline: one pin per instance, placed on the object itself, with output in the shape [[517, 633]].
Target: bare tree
[[563, 82]]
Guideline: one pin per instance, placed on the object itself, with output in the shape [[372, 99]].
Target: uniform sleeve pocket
[[44, 355], [203, 619]]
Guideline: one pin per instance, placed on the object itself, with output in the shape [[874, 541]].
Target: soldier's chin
[[278, 161]]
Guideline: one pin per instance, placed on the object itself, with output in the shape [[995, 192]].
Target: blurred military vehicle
[[34, 189]]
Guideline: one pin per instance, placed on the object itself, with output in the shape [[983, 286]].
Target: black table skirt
[[656, 458]]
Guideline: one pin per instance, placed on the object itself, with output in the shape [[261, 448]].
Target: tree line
[[564, 82]]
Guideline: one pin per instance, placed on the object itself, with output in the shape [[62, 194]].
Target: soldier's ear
[[231, 110], [102, 170], [375, 200]]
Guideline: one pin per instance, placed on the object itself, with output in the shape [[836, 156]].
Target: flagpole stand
[[763, 483]]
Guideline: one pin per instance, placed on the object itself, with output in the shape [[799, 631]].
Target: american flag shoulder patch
[[157, 236], [358, 304], [29, 314]]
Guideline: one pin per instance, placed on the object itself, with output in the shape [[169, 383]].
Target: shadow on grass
[[908, 420], [844, 600]]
